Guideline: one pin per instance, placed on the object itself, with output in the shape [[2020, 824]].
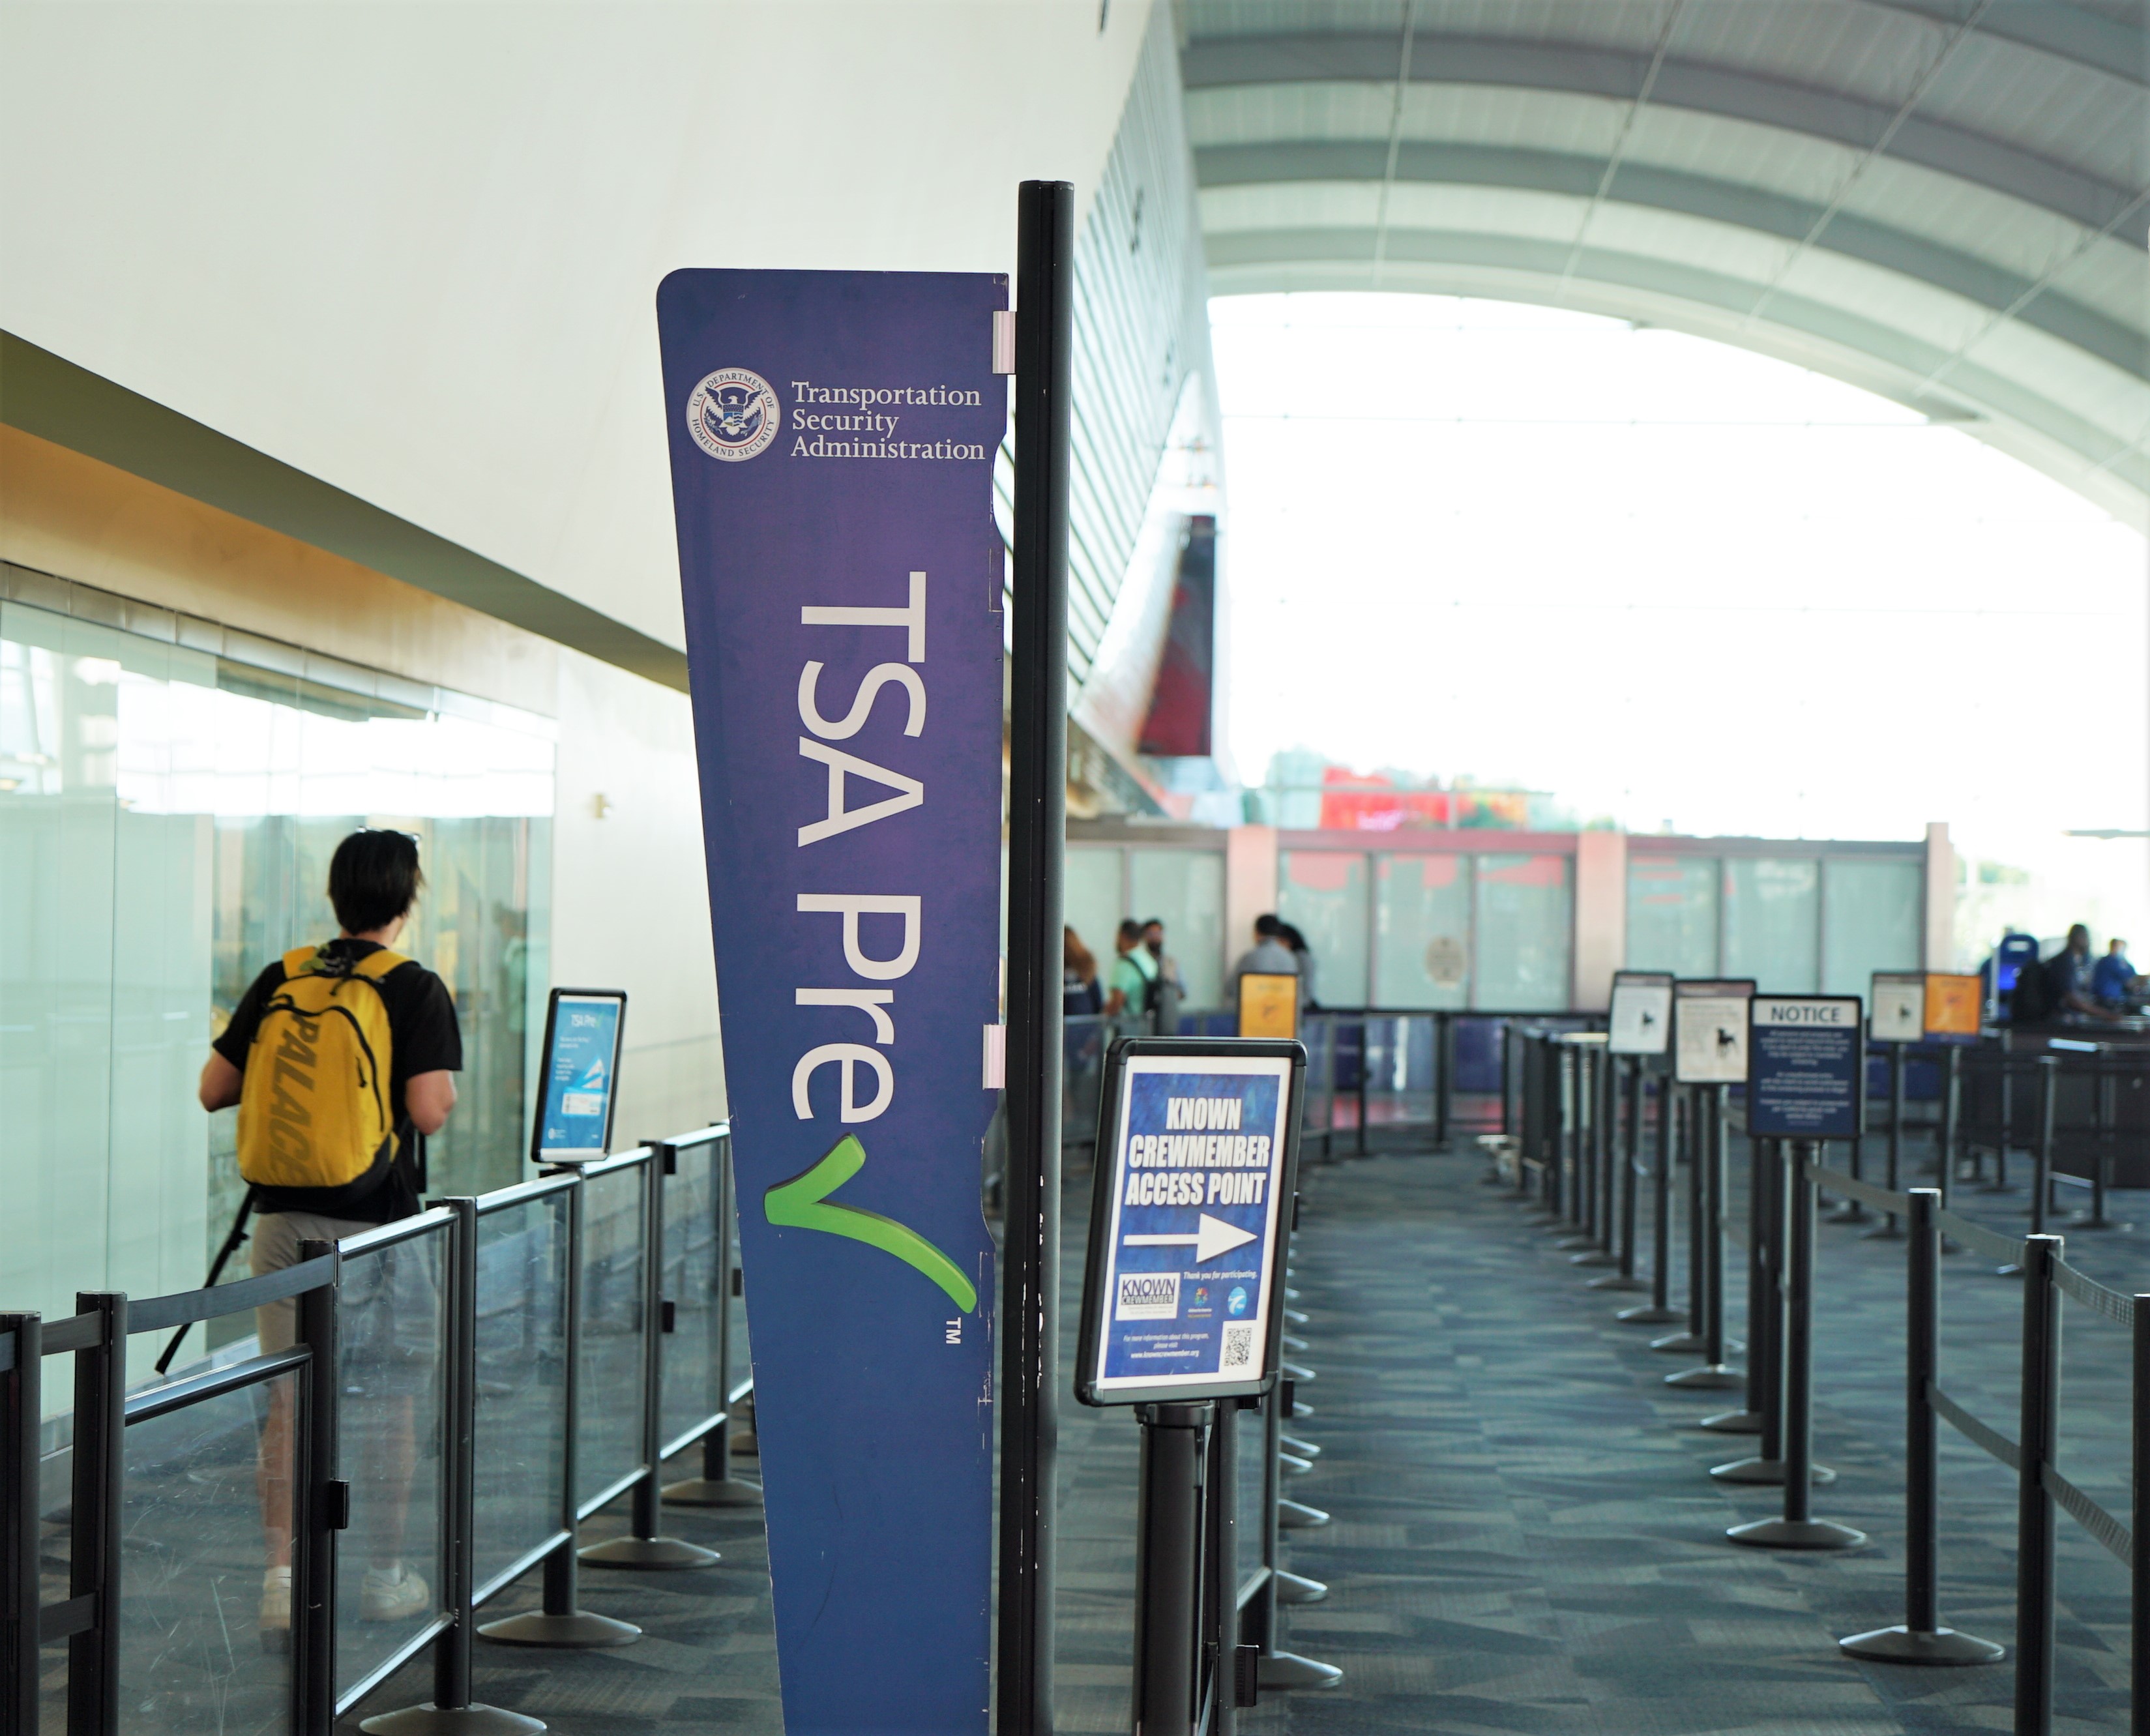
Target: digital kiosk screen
[[582, 1061], [1192, 1207]]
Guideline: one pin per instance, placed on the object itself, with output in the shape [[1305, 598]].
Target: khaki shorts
[[274, 1245]]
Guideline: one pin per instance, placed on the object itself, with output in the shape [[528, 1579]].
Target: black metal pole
[[1687, 1109], [1921, 1638], [1598, 1083], [1444, 1077], [20, 1404], [1798, 1529], [2103, 1082], [98, 1491], [560, 1620], [2038, 1441], [314, 1524], [1168, 1561], [1715, 1374], [1220, 1560], [1038, 827], [2138, 1618], [1365, 1065], [1757, 1414], [1658, 1309], [2041, 1195], [1888, 1229], [2007, 1081], [1951, 1117]]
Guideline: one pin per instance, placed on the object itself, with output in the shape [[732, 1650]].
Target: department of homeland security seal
[[732, 414]]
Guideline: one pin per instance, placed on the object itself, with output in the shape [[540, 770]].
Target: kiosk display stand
[[1710, 1051], [1182, 1318], [575, 1093]]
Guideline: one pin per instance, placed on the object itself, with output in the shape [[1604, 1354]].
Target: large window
[[166, 818]]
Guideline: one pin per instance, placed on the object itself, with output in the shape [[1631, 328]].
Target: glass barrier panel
[[1525, 918], [742, 1353], [1185, 890], [1773, 922], [1083, 1072], [609, 1442], [391, 1336], [1323, 893], [522, 1349], [690, 1396], [1872, 914], [1247, 1490], [1672, 914], [201, 1648]]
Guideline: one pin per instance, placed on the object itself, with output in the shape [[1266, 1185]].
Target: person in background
[[1080, 997], [1304, 953], [374, 880], [1170, 989], [2068, 979], [1269, 957], [1134, 976], [2114, 980]]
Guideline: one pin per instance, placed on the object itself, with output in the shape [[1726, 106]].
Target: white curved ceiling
[[1943, 200]]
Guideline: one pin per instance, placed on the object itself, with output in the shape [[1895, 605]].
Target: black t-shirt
[[423, 1037]]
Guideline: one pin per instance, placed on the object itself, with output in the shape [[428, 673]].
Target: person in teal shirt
[[1133, 979]]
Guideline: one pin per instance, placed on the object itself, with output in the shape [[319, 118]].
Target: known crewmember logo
[[732, 414]]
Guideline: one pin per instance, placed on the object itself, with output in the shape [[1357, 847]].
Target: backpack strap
[[378, 964], [300, 960]]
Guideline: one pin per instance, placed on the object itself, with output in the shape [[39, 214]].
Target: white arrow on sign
[[1214, 1237]]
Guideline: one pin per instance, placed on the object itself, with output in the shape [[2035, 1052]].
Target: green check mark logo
[[803, 1204]]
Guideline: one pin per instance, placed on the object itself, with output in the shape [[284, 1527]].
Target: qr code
[[1238, 1346]]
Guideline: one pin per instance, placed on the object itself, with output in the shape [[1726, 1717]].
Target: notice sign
[[1189, 1219], [1642, 1020], [1803, 1065], [1269, 1005], [1709, 1031], [582, 1053], [1954, 1004], [1899, 1006], [832, 439]]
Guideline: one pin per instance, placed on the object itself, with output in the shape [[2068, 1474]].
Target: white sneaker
[[389, 1594]]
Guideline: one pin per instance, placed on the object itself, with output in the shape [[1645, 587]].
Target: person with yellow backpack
[[340, 1058]]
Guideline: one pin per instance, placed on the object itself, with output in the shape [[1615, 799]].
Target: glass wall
[[1773, 922], [1421, 931], [166, 819], [1872, 913], [1526, 928], [1672, 914], [1183, 888], [1322, 894]]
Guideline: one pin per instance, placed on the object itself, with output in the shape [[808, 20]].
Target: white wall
[[413, 249]]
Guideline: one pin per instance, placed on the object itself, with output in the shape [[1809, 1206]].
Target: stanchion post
[[1168, 1568], [2102, 1080], [1798, 1529], [316, 1512], [1602, 1144], [560, 1620], [1951, 1116], [20, 1413], [1687, 1108], [1444, 1076], [1758, 1414], [2041, 1195], [1921, 1638], [2038, 1442], [98, 1491], [1715, 1374], [1658, 1310], [1888, 1229], [2138, 1615]]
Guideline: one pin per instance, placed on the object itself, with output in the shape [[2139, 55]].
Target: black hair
[[1268, 925], [1292, 937], [1130, 930], [374, 878]]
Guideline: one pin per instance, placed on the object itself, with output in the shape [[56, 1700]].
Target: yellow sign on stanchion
[[1269, 1005], [1953, 1005]]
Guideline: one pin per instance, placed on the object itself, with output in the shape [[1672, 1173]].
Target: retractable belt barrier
[[1789, 1176], [492, 1326]]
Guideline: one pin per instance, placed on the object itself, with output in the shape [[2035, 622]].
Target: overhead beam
[[2053, 28], [1729, 93], [1734, 202], [51, 397], [1250, 260]]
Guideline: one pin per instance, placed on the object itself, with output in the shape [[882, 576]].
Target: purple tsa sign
[[832, 438]]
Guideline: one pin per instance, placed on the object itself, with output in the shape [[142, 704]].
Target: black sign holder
[[537, 1154]]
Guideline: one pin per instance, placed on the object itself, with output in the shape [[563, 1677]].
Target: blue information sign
[[1803, 1065], [1192, 1210], [832, 440], [582, 1055]]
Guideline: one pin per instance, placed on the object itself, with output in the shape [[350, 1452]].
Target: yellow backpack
[[313, 1107]]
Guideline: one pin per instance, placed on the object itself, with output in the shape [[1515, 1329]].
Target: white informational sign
[[1641, 1018], [1899, 1007], [1709, 1033]]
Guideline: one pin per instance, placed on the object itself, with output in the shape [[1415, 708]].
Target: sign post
[[1183, 1315], [1709, 1050], [833, 435]]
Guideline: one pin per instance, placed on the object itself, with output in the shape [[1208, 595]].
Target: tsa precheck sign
[[1199, 1163]]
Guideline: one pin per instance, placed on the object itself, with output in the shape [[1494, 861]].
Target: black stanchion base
[[1288, 1669], [1297, 1588], [1293, 1463], [1297, 1515], [1850, 1212], [660, 1553], [700, 1491], [1766, 1470], [1650, 1314], [431, 1720], [1293, 1444], [1710, 1377], [578, 1631], [1887, 1230], [1577, 1238], [1681, 1344], [1907, 1645], [1733, 1422], [1299, 1410], [1595, 1257], [1616, 1281], [1296, 1316], [1797, 1534]]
